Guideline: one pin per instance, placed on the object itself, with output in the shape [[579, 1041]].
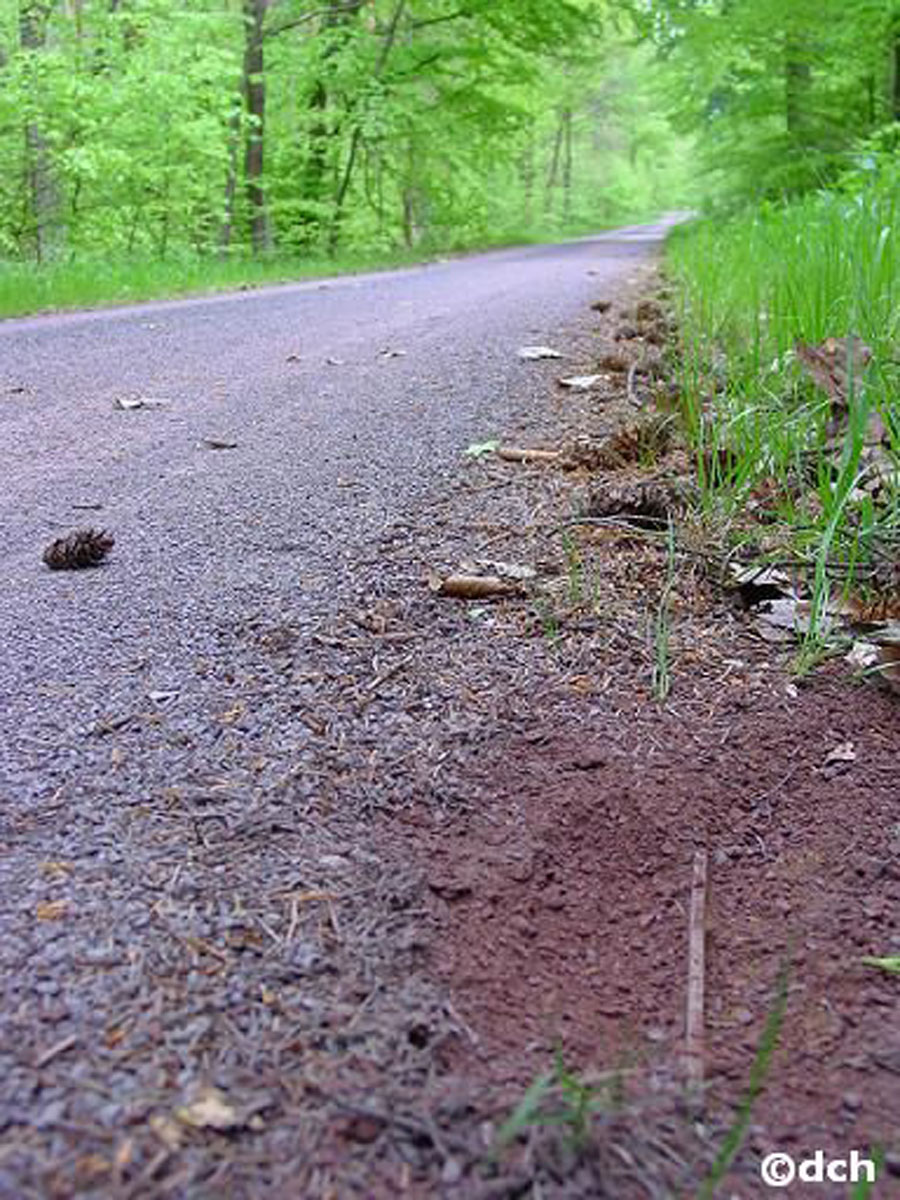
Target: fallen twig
[[696, 983], [521, 454]]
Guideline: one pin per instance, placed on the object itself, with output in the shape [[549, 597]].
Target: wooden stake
[[694, 1038]]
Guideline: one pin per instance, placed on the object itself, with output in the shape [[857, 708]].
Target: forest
[[153, 130], [159, 127]]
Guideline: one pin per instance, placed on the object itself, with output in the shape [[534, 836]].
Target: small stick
[[633, 397], [519, 454], [55, 1050], [696, 983]]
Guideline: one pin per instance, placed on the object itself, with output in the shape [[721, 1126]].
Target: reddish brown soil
[[563, 906]]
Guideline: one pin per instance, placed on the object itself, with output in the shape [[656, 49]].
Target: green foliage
[[126, 130], [777, 94], [559, 1097]]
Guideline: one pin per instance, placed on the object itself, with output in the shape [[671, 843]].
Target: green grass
[[94, 281], [87, 283], [746, 291]]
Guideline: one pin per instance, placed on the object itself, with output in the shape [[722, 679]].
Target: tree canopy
[[154, 126]]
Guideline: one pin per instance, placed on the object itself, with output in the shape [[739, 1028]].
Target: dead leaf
[[843, 753], [361, 1127], [832, 364], [862, 656], [129, 404], [52, 910], [90, 1167], [889, 663], [168, 1131], [218, 444], [210, 1109], [532, 353], [57, 869], [758, 583], [580, 383], [479, 449], [474, 587], [651, 501], [504, 570]]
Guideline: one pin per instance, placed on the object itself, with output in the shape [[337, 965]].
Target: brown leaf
[[475, 587], [832, 364], [52, 910], [210, 1109]]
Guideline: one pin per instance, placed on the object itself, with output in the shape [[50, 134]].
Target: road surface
[[299, 427]]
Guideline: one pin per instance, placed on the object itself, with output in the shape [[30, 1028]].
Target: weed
[[549, 621], [560, 1098]]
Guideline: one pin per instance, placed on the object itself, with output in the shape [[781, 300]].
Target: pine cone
[[83, 548], [649, 502]]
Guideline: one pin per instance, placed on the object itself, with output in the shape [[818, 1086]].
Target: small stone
[[452, 1172], [852, 1101]]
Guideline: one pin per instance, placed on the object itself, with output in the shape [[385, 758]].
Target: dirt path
[[306, 871]]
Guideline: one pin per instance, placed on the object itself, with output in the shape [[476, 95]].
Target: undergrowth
[[747, 292]]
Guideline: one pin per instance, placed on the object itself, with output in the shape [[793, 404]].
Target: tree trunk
[[553, 173], [44, 195], [255, 98], [797, 77], [526, 169], [567, 165], [315, 183], [234, 134], [387, 45]]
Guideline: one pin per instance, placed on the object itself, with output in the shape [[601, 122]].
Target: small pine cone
[[83, 548]]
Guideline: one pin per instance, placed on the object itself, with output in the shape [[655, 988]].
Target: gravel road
[[144, 707]]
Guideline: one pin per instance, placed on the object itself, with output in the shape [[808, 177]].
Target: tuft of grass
[[747, 290], [574, 570], [560, 1098]]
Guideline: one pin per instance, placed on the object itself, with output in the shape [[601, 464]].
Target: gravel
[[194, 735]]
